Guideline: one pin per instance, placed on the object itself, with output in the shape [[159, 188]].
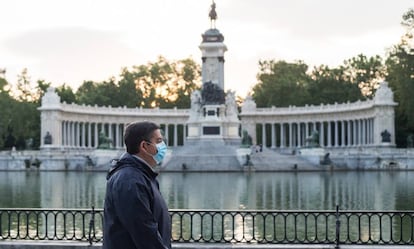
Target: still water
[[280, 191]]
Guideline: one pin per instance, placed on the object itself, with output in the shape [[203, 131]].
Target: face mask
[[161, 151]]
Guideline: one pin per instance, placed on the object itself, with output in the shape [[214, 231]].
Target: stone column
[[264, 135], [89, 134], [298, 133], [329, 134], [111, 135], [167, 134], [290, 135], [184, 133], [371, 131], [64, 133], [282, 135], [72, 134], [336, 123], [361, 135], [83, 135], [306, 131], [322, 134], [349, 134], [273, 136], [364, 131], [118, 135], [342, 133], [68, 136], [175, 135], [96, 135], [355, 128]]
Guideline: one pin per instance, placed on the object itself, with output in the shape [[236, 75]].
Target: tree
[[165, 84], [400, 64], [330, 85], [161, 84], [25, 91], [281, 84], [66, 94], [41, 89], [101, 94], [186, 80], [366, 72], [5, 114], [130, 93]]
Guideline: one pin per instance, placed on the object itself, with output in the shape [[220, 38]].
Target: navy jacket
[[135, 214]]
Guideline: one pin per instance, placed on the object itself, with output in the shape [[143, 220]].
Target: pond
[[231, 191]]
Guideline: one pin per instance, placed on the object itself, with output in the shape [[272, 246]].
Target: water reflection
[[290, 191], [281, 191]]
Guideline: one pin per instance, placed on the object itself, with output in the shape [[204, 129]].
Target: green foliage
[[366, 72], [5, 112], [127, 89], [168, 84], [41, 88], [20, 123], [102, 94], [281, 84], [400, 64], [66, 94], [161, 84], [330, 85]]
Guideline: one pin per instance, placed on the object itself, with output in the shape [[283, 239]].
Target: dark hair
[[137, 132]]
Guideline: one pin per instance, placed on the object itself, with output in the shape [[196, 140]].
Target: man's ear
[[141, 145]]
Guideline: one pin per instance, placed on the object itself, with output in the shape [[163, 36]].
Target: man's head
[[141, 139]]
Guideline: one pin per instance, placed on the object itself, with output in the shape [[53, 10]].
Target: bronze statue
[[48, 138], [213, 15], [313, 140], [212, 94], [104, 142], [386, 136], [246, 140]]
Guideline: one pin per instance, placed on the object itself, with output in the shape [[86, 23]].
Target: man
[[135, 214]]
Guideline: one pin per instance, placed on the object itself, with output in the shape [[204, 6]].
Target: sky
[[70, 41]]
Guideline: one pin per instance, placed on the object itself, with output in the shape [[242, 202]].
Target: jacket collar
[[132, 161]]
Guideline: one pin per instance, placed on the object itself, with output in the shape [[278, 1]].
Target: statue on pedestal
[[195, 102], [212, 94], [47, 139], [104, 142], [213, 15], [410, 141], [386, 136], [313, 140], [246, 141]]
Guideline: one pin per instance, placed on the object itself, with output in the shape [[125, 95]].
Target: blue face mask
[[161, 151]]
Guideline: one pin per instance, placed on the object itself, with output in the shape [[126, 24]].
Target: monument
[[213, 124]]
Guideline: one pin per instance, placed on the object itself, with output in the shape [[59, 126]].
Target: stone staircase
[[271, 160], [209, 156]]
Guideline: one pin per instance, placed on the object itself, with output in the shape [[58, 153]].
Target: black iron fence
[[224, 226]]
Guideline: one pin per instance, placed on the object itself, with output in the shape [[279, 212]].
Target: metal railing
[[224, 226]]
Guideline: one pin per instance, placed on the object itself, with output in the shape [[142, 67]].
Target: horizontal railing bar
[[328, 227]]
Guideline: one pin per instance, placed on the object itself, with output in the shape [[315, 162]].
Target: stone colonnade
[[84, 134], [335, 133], [361, 123], [79, 126]]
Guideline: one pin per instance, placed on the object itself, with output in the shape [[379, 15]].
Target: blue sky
[[69, 41]]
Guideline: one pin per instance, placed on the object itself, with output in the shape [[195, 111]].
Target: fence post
[[338, 225], [92, 225]]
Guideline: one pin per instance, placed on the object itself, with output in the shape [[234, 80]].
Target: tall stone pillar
[[384, 124], [51, 124], [273, 136]]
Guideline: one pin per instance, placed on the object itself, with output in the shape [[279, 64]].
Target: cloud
[[73, 53]]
